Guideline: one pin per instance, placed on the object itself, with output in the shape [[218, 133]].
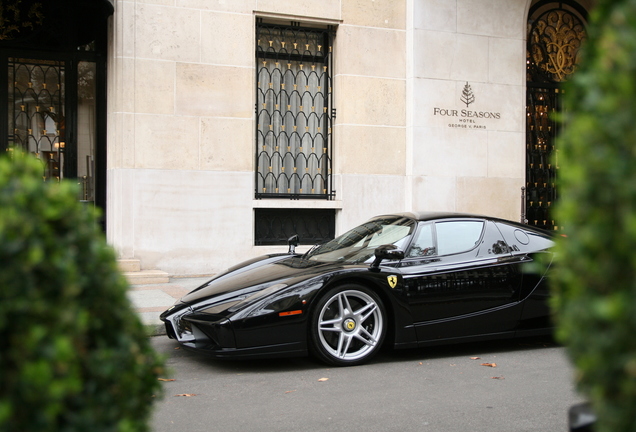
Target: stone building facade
[[423, 106]]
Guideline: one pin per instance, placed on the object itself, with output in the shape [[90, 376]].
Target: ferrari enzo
[[403, 280]]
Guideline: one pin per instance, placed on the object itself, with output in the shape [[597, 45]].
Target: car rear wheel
[[348, 326]]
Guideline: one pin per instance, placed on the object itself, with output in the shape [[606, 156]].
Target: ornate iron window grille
[[556, 31], [294, 112]]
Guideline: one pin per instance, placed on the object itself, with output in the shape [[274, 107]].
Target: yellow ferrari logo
[[351, 325], [392, 280]]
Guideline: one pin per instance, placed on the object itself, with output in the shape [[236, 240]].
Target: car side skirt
[[475, 338], [295, 349]]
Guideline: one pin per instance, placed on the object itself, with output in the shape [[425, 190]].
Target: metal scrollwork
[[554, 43], [17, 19]]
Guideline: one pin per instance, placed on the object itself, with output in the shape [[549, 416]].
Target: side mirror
[[389, 252], [292, 242]]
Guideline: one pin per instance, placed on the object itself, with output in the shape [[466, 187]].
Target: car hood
[[253, 277]]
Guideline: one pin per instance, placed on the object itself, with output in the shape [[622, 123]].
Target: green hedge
[[595, 302], [73, 353]]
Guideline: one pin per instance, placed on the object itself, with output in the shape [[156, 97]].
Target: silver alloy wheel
[[350, 325]]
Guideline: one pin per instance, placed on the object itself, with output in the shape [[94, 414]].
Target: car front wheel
[[348, 326]]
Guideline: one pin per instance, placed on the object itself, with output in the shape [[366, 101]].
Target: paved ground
[[151, 300], [437, 389], [442, 389]]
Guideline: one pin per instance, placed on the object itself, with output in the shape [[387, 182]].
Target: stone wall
[[181, 118]]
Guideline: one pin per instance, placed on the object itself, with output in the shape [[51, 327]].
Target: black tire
[[347, 326]]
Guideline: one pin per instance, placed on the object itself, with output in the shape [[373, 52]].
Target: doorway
[[53, 90], [556, 31]]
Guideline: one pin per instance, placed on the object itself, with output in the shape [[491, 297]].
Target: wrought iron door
[[39, 124], [556, 31]]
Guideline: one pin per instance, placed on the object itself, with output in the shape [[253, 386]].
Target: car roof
[[445, 215], [431, 215]]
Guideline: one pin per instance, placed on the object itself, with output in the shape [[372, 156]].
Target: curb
[[155, 329]]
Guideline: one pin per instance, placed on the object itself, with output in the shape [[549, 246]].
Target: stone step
[[129, 265], [147, 277]]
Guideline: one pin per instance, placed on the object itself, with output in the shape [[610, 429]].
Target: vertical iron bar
[[256, 150], [329, 60], [69, 94], [4, 97], [523, 205]]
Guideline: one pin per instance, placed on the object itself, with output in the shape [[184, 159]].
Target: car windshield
[[358, 245]]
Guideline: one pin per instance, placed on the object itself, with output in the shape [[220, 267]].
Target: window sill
[[297, 204]]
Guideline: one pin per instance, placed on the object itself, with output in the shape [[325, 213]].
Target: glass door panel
[[86, 129]]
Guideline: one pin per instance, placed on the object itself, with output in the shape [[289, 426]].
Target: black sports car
[[405, 280]]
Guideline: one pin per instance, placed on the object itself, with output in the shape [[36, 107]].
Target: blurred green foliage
[[73, 353], [595, 282]]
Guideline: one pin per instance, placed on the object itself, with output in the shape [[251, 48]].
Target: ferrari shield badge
[[392, 280]]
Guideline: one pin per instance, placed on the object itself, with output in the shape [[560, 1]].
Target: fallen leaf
[[497, 377], [178, 348], [489, 364], [185, 395], [290, 391], [475, 358], [420, 363], [166, 379], [323, 379]]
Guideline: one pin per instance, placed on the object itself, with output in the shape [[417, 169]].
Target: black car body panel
[[459, 277]]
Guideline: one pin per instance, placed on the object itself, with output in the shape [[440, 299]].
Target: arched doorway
[[556, 31], [53, 91]]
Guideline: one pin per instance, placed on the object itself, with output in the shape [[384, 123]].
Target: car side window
[[423, 244], [524, 240], [458, 236]]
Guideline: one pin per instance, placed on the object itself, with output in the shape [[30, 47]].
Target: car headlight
[[220, 307], [259, 294]]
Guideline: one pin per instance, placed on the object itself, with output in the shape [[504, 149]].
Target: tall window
[[293, 112]]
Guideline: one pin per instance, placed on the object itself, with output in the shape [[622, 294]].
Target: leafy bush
[[595, 288], [73, 353]]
